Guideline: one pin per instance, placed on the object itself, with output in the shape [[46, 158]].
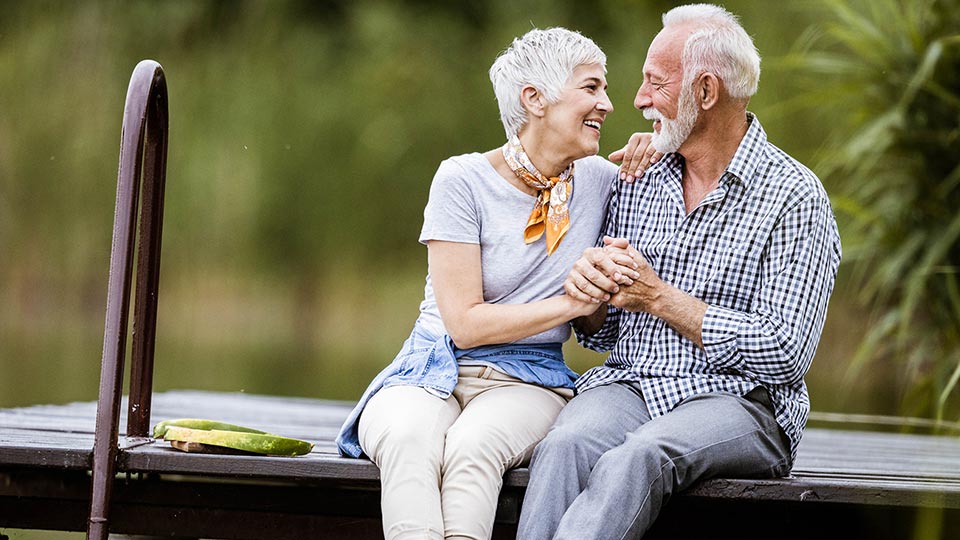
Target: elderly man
[[712, 329]]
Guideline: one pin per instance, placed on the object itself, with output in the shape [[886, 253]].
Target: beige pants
[[442, 461]]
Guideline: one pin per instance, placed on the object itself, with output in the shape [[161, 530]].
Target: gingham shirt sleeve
[[605, 338], [775, 341]]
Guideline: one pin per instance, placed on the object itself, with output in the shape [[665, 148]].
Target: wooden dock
[[73, 468], [46, 452]]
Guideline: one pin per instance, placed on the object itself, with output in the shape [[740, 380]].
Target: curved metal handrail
[[143, 153]]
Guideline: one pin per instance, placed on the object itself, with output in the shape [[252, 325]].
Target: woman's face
[[574, 121]]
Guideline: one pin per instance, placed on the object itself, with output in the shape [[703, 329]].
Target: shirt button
[[668, 277]]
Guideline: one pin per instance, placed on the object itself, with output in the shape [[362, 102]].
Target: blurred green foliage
[[891, 69], [303, 139]]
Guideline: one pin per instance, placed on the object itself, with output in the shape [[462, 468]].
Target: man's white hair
[[718, 45], [544, 59]]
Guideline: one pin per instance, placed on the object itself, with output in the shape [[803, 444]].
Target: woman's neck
[[495, 157], [548, 162]]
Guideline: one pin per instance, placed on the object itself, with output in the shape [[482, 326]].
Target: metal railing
[[143, 163]]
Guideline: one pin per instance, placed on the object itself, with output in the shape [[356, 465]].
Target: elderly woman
[[481, 378]]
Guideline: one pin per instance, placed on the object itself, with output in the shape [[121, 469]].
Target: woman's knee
[[408, 436], [397, 427], [473, 446]]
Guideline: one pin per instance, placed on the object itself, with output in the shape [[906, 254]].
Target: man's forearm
[[590, 324], [683, 312]]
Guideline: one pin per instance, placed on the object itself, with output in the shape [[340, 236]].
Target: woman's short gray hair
[[544, 59], [719, 45]]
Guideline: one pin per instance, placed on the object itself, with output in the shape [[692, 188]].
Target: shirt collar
[[747, 157], [741, 167]]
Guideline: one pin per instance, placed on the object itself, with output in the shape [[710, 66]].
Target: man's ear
[[532, 100], [707, 90]]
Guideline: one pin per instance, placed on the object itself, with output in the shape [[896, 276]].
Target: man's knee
[[648, 449], [563, 442]]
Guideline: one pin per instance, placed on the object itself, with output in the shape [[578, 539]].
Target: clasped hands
[[615, 273]]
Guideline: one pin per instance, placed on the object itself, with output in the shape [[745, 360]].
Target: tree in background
[[886, 80]]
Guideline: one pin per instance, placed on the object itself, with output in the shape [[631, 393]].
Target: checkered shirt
[[761, 250]]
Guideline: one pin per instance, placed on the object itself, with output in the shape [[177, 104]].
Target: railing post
[[143, 152]]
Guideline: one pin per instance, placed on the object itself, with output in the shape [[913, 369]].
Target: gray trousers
[[606, 469]]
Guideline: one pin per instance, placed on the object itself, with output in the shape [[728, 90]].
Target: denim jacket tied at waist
[[431, 362]]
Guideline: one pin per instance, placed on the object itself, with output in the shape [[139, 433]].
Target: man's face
[[674, 132], [662, 97]]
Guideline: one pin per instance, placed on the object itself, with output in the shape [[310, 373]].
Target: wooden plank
[[195, 508], [275, 414], [38, 449], [316, 466], [191, 509], [833, 465], [41, 439], [833, 489]]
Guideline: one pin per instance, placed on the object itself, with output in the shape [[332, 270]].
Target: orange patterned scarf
[[550, 212]]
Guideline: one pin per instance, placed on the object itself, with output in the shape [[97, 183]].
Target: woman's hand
[[470, 321], [599, 273], [580, 308], [646, 288], [636, 156]]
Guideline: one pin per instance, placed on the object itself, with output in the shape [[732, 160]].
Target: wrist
[[570, 307], [660, 302], [591, 323]]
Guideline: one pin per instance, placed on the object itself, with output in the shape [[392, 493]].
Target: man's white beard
[[674, 133]]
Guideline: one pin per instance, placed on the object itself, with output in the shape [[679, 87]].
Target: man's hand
[[645, 289], [648, 293], [599, 274], [636, 156]]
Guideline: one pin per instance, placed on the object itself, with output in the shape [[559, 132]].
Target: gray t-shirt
[[471, 203]]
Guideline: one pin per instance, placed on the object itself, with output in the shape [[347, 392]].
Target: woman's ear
[[532, 100], [707, 90]]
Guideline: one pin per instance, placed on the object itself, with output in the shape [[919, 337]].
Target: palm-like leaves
[[887, 72]]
